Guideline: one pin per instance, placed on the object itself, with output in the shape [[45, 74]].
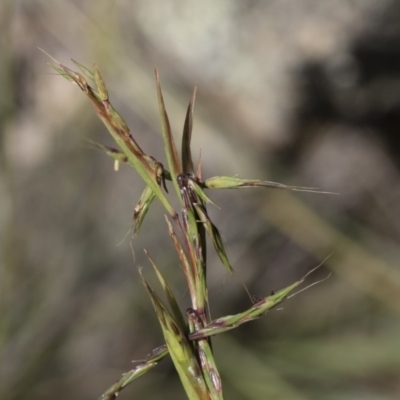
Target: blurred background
[[300, 92]]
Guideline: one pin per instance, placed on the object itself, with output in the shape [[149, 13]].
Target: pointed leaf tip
[[230, 182], [187, 160], [101, 87], [174, 163]]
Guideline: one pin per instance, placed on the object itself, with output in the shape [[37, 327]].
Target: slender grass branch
[[187, 335]]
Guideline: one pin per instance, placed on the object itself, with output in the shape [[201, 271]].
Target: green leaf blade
[[229, 322], [215, 236], [169, 295], [173, 161], [231, 182], [141, 208], [180, 349], [187, 161]]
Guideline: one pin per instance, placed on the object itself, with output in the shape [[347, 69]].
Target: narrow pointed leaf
[[180, 349], [155, 355], [71, 76], [100, 85], [174, 164], [195, 232], [214, 235], [61, 72], [187, 161], [230, 182], [127, 378], [200, 192], [187, 270], [229, 322], [145, 365], [89, 74], [178, 317], [141, 209]]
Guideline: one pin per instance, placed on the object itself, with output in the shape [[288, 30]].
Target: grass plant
[[187, 335]]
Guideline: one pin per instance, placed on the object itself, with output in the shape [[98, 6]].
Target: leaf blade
[[231, 182], [180, 349], [173, 161], [187, 161]]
